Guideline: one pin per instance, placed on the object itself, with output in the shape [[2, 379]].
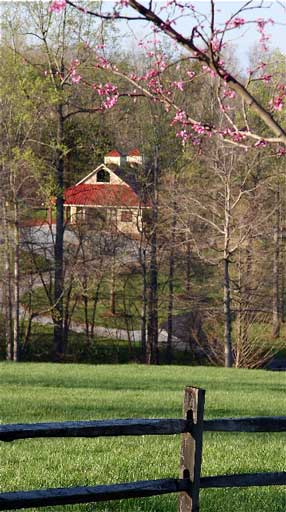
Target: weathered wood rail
[[137, 427], [191, 427]]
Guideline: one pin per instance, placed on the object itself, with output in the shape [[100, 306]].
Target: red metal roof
[[134, 152], [101, 195], [113, 152]]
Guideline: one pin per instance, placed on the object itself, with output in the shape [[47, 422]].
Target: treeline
[[208, 265]]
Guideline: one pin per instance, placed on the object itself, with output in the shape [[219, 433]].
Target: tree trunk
[[152, 328], [29, 321], [228, 357], [171, 283], [276, 271], [85, 302], [152, 348], [144, 302], [94, 307], [112, 287], [128, 327], [244, 269], [16, 302], [59, 243], [227, 317], [67, 313], [8, 288], [188, 267]]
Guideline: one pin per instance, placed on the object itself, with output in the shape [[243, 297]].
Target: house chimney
[[113, 157], [134, 157]]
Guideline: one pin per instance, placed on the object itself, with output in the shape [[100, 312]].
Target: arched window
[[103, 176]]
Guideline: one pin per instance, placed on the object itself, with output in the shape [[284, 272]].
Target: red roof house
[[102, 196], [104, 190]]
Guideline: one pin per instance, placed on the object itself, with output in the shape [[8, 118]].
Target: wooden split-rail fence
[[188, 486]]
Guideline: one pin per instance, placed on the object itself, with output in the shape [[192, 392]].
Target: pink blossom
[[262, 65], [211, 72], [134, 77], [57, 5], [198, 128], [260, 144], [167, 24], [102, 63], [106, 89], [237, 22], [110, 102], [182, 5], [216, 45], [236, 136], [184, 135], [75, 63], [229, 93], [277, 103], [261, 23], [191, 74], [75, 77], [281, 151], [110, 88], [266, 78], [179, 85], [224, 108], [150, 74], [180, 117], [161, 62]]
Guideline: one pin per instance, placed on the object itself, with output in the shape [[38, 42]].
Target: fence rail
[[124, 427], [191, 427], [243, 480], [258, 424], [137, 427], [49, 497]]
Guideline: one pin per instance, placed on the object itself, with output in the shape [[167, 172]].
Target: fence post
[[191, 448]]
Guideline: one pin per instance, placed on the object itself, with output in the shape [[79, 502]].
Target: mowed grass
[[46, 392]]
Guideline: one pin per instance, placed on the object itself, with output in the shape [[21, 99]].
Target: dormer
[[102, 175], [113, 158], [134, 157]]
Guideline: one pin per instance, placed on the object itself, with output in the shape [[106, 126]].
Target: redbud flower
[[57, 5]]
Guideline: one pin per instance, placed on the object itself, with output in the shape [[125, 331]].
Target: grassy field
[[45, 392]]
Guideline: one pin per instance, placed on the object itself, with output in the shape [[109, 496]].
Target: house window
[[103, 176], [80, 213], [126, 216]]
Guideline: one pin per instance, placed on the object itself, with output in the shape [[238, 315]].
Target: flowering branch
[[209, 57]]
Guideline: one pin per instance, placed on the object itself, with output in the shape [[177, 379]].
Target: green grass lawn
[[46, 392]]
